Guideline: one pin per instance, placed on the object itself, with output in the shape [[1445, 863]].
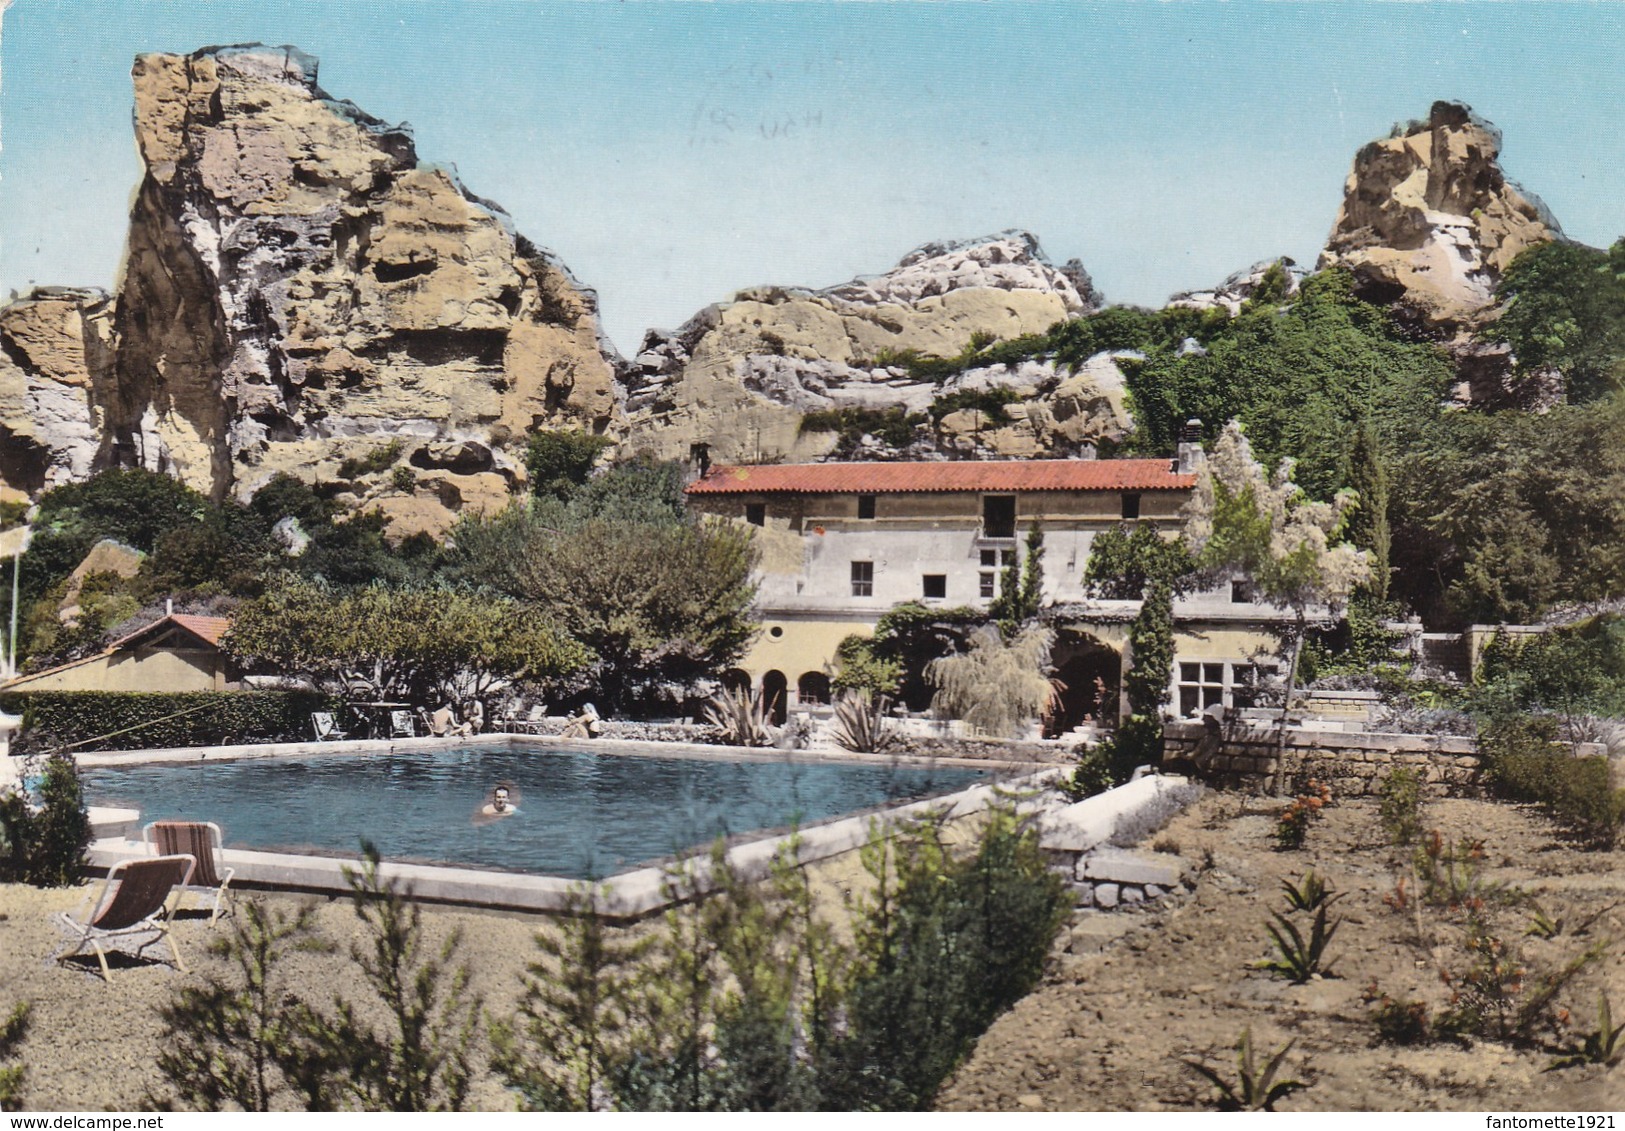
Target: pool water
[[581, 815]]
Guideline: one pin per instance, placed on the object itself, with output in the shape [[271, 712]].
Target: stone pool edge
[[624, 897]]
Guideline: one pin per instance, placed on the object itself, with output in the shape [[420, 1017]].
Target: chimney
[[169, 606], [1190, 456]]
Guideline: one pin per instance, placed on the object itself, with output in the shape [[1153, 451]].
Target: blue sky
[[673, 153]]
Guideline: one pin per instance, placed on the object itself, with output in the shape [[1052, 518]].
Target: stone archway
[[812, 690], [1091, 672]]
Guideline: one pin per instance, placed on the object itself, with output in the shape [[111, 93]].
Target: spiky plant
[[1601, 1046], [1252, 1090], [861, 725], [998, 686], [740, 715], [1298, 958], [1309, 892]]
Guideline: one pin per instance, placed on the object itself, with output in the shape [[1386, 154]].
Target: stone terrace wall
[[1241, 756]]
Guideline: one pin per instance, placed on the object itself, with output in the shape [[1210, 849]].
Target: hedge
[[133, 720]]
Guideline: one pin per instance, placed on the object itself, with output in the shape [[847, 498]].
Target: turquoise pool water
[[581, 815]]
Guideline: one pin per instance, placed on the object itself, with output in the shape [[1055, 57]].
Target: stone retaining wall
[[1241, 756]]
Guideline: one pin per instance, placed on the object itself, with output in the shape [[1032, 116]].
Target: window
[[992, 561], [1131, 506], [756, 513], [863, 579], [1241, 592], [866, 506], [935, 584], [987, 585], [1204, 684], [998, 516]]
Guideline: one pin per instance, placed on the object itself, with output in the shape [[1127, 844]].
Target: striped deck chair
[[131, 905], [400, 725], [203, 841]]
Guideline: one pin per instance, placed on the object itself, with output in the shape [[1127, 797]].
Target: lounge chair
[[131, 904], [401, 725], [326, 729], [203, 841]]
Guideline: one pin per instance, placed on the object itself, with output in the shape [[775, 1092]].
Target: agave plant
[[1298, 958], [861, 725], [1252, 1090], [741, 716], [1309, 893], [1602, 1046]]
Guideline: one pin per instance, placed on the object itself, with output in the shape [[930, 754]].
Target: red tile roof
[[210, 629], [980, 475]]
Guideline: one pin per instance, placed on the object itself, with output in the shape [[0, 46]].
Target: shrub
[[993, 404], [1253, 1090], [1401, 1022], [12, 1031], [244, 1038], [560, 462], [379, 459], [1293, 827], [131, 720], [1400, 806], [46, 846], [1091, 775], [892, 426], [1525, 762]]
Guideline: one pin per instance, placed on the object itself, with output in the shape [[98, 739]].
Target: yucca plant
[[740, 715], [1542, 925], [1602, 1046], [1309, 893], [861, 725], [1252, 1090], [1298, 958]]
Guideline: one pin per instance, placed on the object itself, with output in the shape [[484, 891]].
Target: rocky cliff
[[1429, 222], [55, 351], [743, 375], [299, 290]]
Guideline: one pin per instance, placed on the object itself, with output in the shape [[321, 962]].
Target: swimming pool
[[582, 814]]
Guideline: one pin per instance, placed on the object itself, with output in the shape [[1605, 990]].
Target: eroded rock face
[[1430, 223], [55, 347], [741, 376], [300, 289]]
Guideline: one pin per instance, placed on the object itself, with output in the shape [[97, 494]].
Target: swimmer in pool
[[503, 802]]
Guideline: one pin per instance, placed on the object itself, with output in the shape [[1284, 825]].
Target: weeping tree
[[996, 685], [1243, 518]]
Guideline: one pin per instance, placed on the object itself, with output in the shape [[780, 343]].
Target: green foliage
[[996, 686], [578, 1001], [1400, 806], [421, 644], [1151, 640], [1525, 762], [12, 513], [243, 1038], [1565, 310], [139, 720], [861, 725], [1136, 742], [1298, 957], [859, 669], [12, 1076], [559, 462], [992, 403], [45, 846], [1021, 595], [381, 458], [1252, 1089], [1126, 559], [1574, 670], [1449, 874], [421, 1057], [1600, 1046], [1309, 893], [1368, 527], [907, 638], [741, 715], [893, 427], [1091, 775], [403, 479], [1498, 995], [1403, 1022]]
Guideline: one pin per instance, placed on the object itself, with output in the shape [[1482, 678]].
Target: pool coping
[[625, 896]]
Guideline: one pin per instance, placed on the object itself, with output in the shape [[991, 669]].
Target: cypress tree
[[1368, 526]]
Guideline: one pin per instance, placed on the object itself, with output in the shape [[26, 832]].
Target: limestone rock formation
[[1430, 223], [299, 289], [1239, 288], [55, 346], [740, 376]]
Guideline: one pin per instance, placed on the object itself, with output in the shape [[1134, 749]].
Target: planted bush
[[1400, 808], [1525, 762], [131, 720], [45, 846]]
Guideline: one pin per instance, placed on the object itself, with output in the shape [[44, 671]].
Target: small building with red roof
[[178, 652]]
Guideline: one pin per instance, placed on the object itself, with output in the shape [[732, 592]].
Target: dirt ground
[[1108, 1030], [1105, 1030]]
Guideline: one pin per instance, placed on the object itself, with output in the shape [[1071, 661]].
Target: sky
[[673, 152]]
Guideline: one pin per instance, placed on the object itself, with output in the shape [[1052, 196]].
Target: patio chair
[[203, 841], [131, 904], [326, 729], [401, 725]]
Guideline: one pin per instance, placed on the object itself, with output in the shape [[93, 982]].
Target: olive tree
[[1243, 518]]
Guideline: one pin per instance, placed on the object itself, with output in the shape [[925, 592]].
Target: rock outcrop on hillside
[[299, 289], [742, 375], [55, 348], [1430, 223]]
